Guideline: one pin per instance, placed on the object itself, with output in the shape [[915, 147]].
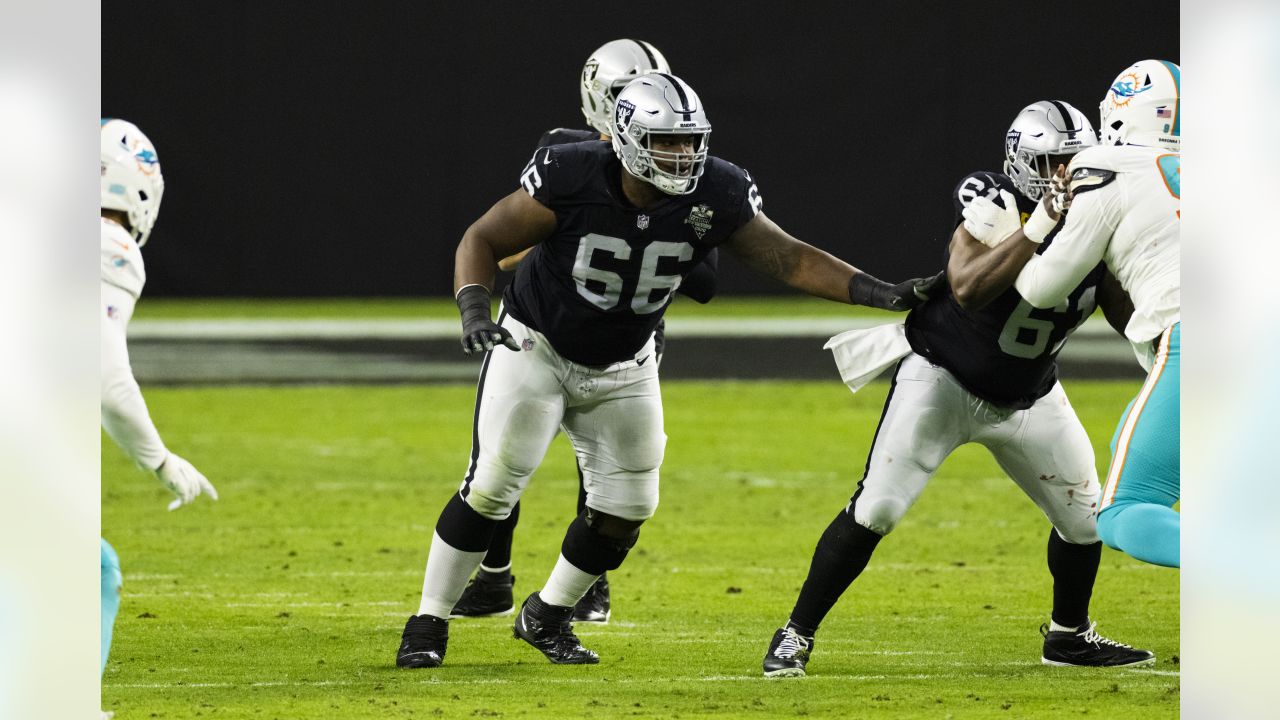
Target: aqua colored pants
[[1144, 481], [111, 580]]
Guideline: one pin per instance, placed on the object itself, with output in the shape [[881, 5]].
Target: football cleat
[[1086, 648], [549, 629], [788, 654], [423, 643], [486, 596], [594, 606]]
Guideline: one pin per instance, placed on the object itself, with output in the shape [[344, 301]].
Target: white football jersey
[[122, 260], [1126, 213]]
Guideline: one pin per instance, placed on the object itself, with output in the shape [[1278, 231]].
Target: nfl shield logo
[[527, 343], [642, 222]]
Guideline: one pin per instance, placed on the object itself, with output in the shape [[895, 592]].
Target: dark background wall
[[323, 148]]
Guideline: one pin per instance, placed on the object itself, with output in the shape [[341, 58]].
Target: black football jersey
[[564, 136], [599, 285], [1004, 353]]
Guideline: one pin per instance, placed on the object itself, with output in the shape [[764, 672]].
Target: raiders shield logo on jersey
[[700, 219]]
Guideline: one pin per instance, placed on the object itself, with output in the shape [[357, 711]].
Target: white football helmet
[[652, 106], [131, 179], [1142, 106], [1041, 130], [608, 70]]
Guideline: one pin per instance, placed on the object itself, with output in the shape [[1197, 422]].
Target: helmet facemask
[[674, 173]]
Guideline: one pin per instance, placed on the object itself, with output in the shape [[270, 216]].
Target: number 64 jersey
[[1004, 353], [597, 287]]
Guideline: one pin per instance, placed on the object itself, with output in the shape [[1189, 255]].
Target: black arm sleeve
[[700, 283]]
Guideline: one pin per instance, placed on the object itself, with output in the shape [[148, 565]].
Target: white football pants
[[928, 414], [612, 416]]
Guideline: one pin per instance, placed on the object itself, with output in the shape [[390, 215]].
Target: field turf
[[286, 598]]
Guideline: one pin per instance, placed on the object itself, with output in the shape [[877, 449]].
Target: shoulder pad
[[1084, 179]]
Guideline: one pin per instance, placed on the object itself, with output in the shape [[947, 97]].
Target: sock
[[458, 545], [499, 555], [841, 555], [567, 584], [446, 577], [502, 574], [111, 581], [1146, 531], [1074, 569], [1055, 627]]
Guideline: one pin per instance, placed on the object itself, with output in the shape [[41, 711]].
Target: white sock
[[1055, 627], [567, 584], [448, 569]]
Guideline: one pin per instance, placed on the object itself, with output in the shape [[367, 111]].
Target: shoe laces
[[1091, 635], [792, 643]]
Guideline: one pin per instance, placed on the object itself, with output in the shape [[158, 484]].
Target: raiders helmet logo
[[1011, 141], [622, 114]]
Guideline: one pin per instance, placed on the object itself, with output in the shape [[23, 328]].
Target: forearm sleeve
[[1048, 278], [124, 412]]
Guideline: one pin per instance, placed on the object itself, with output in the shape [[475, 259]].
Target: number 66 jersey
[[599, 285], [1005, 352]]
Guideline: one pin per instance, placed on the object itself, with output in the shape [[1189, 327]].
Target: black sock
[[842, 553], [1074, 568], [499, 555], [464, 528]]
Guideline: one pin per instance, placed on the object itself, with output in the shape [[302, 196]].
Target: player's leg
[[490, 592], [519, 406], [1144, 480], [923, 421], [619, 440], [596, 605], [111, 582], [1046, 451]]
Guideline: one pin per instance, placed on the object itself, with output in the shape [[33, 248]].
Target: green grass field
[[286, 598]]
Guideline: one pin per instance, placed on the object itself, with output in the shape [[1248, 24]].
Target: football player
[[614, 228], [1126, 212], [605, 73], [132, 186], [980, 366]]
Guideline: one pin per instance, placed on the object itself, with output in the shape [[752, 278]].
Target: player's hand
[[483, 335], [1057, 200], [988, 222], [184, 480], [910, 293]]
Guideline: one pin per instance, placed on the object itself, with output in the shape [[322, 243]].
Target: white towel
[[861, 355]]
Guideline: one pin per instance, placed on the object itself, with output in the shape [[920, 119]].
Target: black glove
[[479, 332], [867, 290]]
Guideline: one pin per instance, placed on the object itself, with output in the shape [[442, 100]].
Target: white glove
[[989, 223], [184, 480], [1059, 198]]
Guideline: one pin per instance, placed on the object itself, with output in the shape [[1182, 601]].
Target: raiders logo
[[1011, 141], [622, 114]]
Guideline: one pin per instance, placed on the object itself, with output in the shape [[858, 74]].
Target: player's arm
[[507, 264], [1048, 278], [1116, 304], [514, 224], [767, 249], [700, 283], [979, 274], [125, 416]]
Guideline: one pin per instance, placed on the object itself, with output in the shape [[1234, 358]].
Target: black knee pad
[[597, 542], [464, 528]]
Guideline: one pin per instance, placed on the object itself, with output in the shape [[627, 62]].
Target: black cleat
[[788, 654], [594, 606], [1086, 648], [486, 596], [548, 628], [423, 643]]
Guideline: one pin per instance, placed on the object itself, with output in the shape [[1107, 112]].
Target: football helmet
[[608, 70], [1142, 106], [1041, 130], [131, 179], [652, 106]]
